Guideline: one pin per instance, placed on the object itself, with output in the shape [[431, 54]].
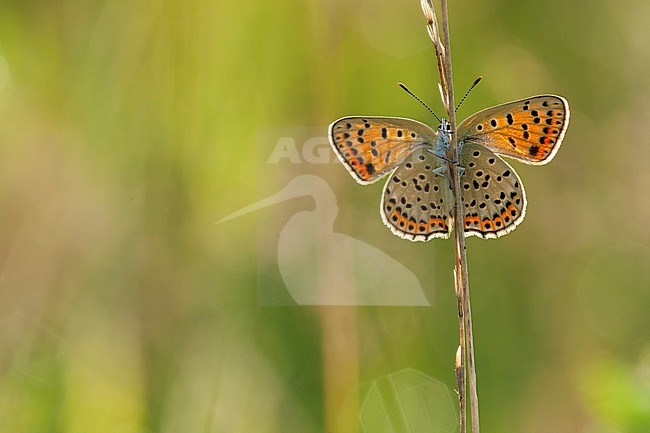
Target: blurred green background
[[127, 129]]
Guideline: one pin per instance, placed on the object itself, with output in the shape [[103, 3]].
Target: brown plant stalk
[[465, 361]]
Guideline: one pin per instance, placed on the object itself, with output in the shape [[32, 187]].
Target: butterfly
[[417, 202]]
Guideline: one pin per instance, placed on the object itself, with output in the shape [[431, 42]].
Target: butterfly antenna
[[419, 100], [478, 80]]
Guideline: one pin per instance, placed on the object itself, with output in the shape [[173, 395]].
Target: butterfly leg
[[441, 171], [461, 169], [440, 153]]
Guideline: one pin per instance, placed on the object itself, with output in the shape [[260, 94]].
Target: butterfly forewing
[[416, 203], [530, 130], [493, 197], [370, 147]]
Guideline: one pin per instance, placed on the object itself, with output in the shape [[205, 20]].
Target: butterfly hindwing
[[417, 203], [370, 147], [493, 197], [530, 130]]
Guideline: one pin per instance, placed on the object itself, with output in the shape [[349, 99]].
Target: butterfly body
[[418, 202]]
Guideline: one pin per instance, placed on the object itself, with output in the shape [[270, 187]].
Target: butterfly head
[[444, 128]]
